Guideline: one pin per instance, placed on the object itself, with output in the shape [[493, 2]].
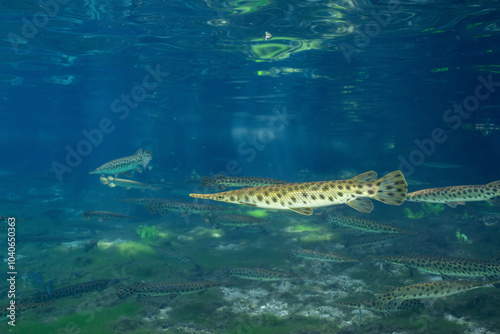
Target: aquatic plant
[[147, 232], [462, 238], [428, 209], [259, 213], [435, 209], [411, 215]]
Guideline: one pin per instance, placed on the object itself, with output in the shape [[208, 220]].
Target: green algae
[[86, 321], [147, 232], [267, 323]]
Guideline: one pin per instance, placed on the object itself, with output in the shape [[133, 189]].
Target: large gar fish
[[447, 266], [103, 215], [222, 182], [135, 162], [303, 197], [458, 194]]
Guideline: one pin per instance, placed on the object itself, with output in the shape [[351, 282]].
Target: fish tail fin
[[208, 182], [392, 189]]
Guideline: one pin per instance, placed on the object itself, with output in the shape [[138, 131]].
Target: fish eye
[[220, 197]]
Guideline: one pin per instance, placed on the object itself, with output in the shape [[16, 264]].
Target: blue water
[[340, 88]]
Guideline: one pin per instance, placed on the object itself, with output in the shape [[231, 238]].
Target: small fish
[[35, 280], [162, 289], [378, 239], [222, 182], [427, 290], [171, 255], [235, 221], [103, 215], [458, 194], [309, 254], [135, 162], [50, 238], [164, 206], [142, 201], [303, 197], [375, 304], [441, 165], [112, 182], [362, 224], [72, 290], [256, 273], [447, 266]]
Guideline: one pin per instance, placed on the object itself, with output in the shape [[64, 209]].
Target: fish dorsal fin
[[494, 184], [362, 204], [139, 152], [365, 177], [494, 200], [303, 211]]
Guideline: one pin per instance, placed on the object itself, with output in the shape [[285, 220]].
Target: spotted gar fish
[[371, 240], [71, 290], [235, 221], [256, 273], [309, 254], [112, 182], [447, 266], [162, 289], [458, 194], [169, 254], [135, 162], [222, 182], [362, 224], [164, 207], [430, 290], [303, 197], [103, 215], [376, 304]]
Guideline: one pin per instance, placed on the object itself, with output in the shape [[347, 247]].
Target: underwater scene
[[250, 167]]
